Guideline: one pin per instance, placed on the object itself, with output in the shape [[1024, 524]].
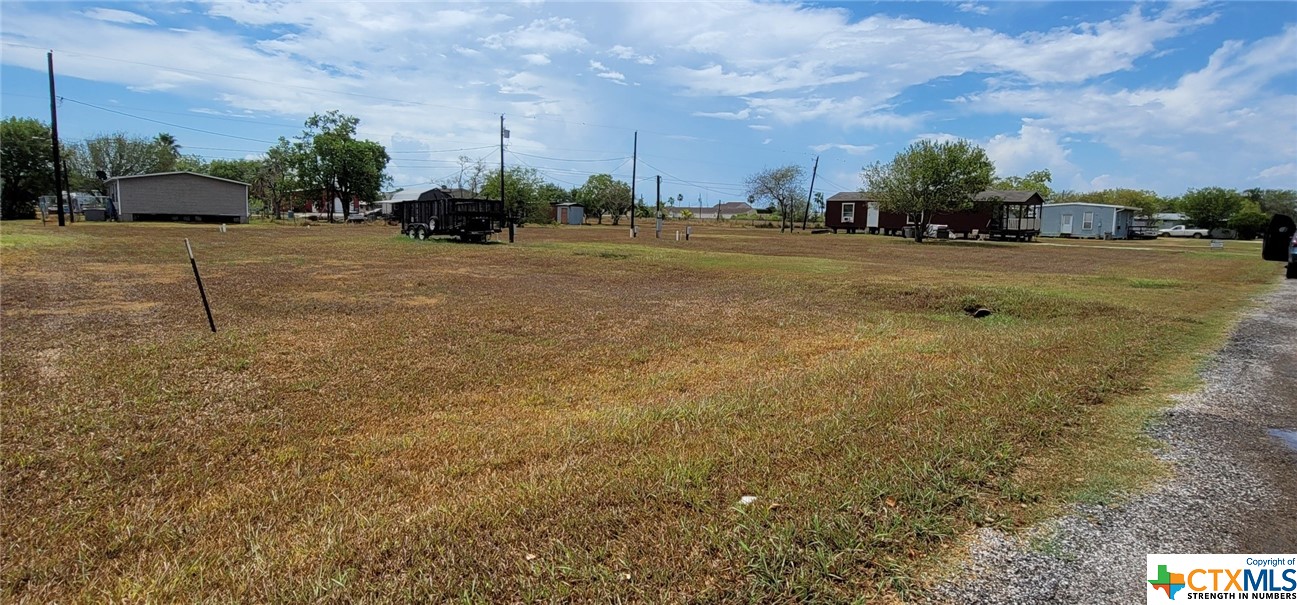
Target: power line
[[122, 113], [404, 102]]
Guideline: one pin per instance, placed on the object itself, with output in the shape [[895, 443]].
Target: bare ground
[[1234, 485]]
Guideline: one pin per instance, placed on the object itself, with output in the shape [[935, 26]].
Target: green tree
[[116, 154], [1250, 221], [331, 159], [26, 166], [1210, 207], [1274, 201], [605, 195], [783, 188], [930, 177], [1147, 202], [522, 200], [243, 171], [168, 151], [276, 177], [1036, 180]]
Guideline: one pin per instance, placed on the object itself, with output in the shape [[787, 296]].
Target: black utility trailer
[[436, 213]]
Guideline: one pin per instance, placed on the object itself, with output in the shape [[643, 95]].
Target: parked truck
[[1182, 231]]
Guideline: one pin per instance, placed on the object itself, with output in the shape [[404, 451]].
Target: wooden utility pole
[[659, 196], [67, 186], [634, 159], [54, 134], [806, 215]]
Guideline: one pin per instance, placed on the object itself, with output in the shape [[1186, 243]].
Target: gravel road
[[1233, 448]]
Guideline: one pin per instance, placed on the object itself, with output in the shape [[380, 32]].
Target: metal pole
[[811, 193], [502, 201], [201, 292], [54, 136], [634, 159]]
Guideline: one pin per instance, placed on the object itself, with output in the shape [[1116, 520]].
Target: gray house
[[179, 196], [1083, 219]]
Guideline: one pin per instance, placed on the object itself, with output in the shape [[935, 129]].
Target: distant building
[[1083, 219], [567, 213], [179, 196], [722, 211]]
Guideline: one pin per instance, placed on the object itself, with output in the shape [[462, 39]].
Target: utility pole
[[634, 159], [809, 194], [503, 134], [54, 134], [67, 186], [659, 196]]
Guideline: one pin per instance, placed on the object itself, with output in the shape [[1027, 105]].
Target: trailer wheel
[[408, 232], [421, 232]]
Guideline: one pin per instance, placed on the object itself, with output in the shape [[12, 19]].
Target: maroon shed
[[849, 211]]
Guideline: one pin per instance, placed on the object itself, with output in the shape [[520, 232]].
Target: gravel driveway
[[1233, 448]]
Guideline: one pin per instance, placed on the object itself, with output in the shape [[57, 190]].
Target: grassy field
[[572, 417]]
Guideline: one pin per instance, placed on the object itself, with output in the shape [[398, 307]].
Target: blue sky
[[1104, 94]]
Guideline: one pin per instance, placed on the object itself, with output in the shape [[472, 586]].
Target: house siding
[[1108, 221], [180, 195]]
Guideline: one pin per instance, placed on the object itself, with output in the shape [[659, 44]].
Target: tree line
[[325, 159], [931, 177], [328, 161]]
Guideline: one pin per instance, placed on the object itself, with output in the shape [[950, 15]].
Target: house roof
[[1007, 195], [1003, 195], [739, 207], [1093, 205], [852, 196], [206, 176], [1170, 216]]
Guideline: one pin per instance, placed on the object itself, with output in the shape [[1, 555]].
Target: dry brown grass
[[571, 417]]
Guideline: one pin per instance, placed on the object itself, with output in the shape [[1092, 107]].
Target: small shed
[[179, 196], [567, 213], [1083, 219], [851, 211]]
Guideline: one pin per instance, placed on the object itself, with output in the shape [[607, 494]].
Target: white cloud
[[766, 142], [552, 35], [1281, 171], [467, 52], [973, 7], [536, 59], [1033, 148], [849, 149], [1223, 110], [724, 115], [113, 15], [761, 127], [855, 112], [602, 71], [629, 54]]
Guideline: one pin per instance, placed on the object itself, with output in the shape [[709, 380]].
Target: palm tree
[[168, 151]]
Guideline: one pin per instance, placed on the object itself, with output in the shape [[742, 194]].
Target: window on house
[[1087, 221], [849, 212]]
